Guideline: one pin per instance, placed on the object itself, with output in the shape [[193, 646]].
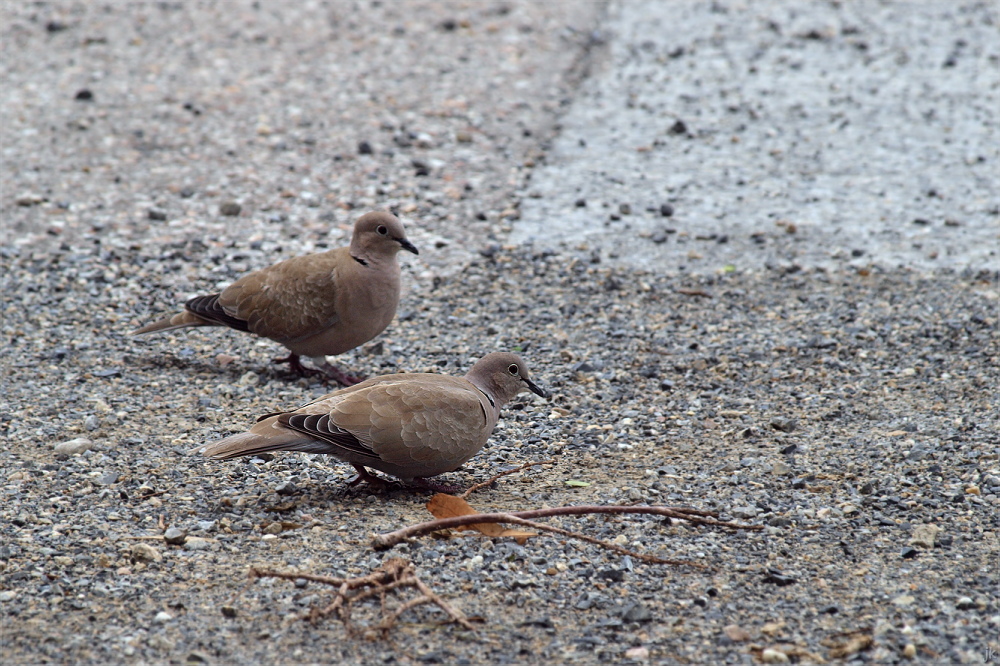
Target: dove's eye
[[382, 231], [512, 369]]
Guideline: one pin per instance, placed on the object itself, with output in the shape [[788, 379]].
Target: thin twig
[[390, 539], [693, 292], [652, 559], [492, 479], [393, 574]]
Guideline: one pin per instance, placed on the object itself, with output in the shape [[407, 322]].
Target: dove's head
[[379, 234], [502, 376]]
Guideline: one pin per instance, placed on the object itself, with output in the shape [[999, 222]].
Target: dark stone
[[775, 577], [784, 424], [84, 95], [636, 612], [614, 575]]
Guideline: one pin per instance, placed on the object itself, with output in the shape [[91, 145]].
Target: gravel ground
[[851, 411]]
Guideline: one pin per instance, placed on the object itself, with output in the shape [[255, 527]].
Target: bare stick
[[652, 559], [390, 539], [492, 479], [693, 292], [393, 574]]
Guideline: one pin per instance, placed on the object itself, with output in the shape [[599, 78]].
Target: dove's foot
[[339, 376], [295, 365]]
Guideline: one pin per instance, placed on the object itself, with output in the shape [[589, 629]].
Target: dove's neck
[[374, 259], [495, 395]]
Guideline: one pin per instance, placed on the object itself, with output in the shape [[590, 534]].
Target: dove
[[411, 426], [316, 305]]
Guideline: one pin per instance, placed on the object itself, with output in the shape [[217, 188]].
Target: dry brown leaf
[[448, 506]]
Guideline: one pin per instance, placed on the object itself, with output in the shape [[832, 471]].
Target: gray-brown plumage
[[315, 305], [411, 426]]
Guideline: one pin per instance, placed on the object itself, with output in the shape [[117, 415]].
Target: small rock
[[746, 512], [74, 447], [365, 148], [636, 612], [666, 210], [778, 578], [909, 651], [108, 479], [249, 379], [84, 95], [29, 199], [273, 528], [224, 359], [228, 611], [175, 536], [772, 656], [784, 424], [637, 653], [736, 633], [903, 600], [157, 214], [924, 535], [143, 552], [909, 553], [965, 603], [163, 616], [230, 209], [91, 423], [781, 468], [286, 488], [197, 543]]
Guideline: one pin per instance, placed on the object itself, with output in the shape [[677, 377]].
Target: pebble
[[197, 543], [736, 633], [636, 612], [924, 535], [286, 488], [29, 199], [143, 552], [249, 378], [909, 651], [162, 616], [781, 468], [230, 209], [175, 536], [107, 479], [637, 653], [74, 447], [772, 656], [784, 424]]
